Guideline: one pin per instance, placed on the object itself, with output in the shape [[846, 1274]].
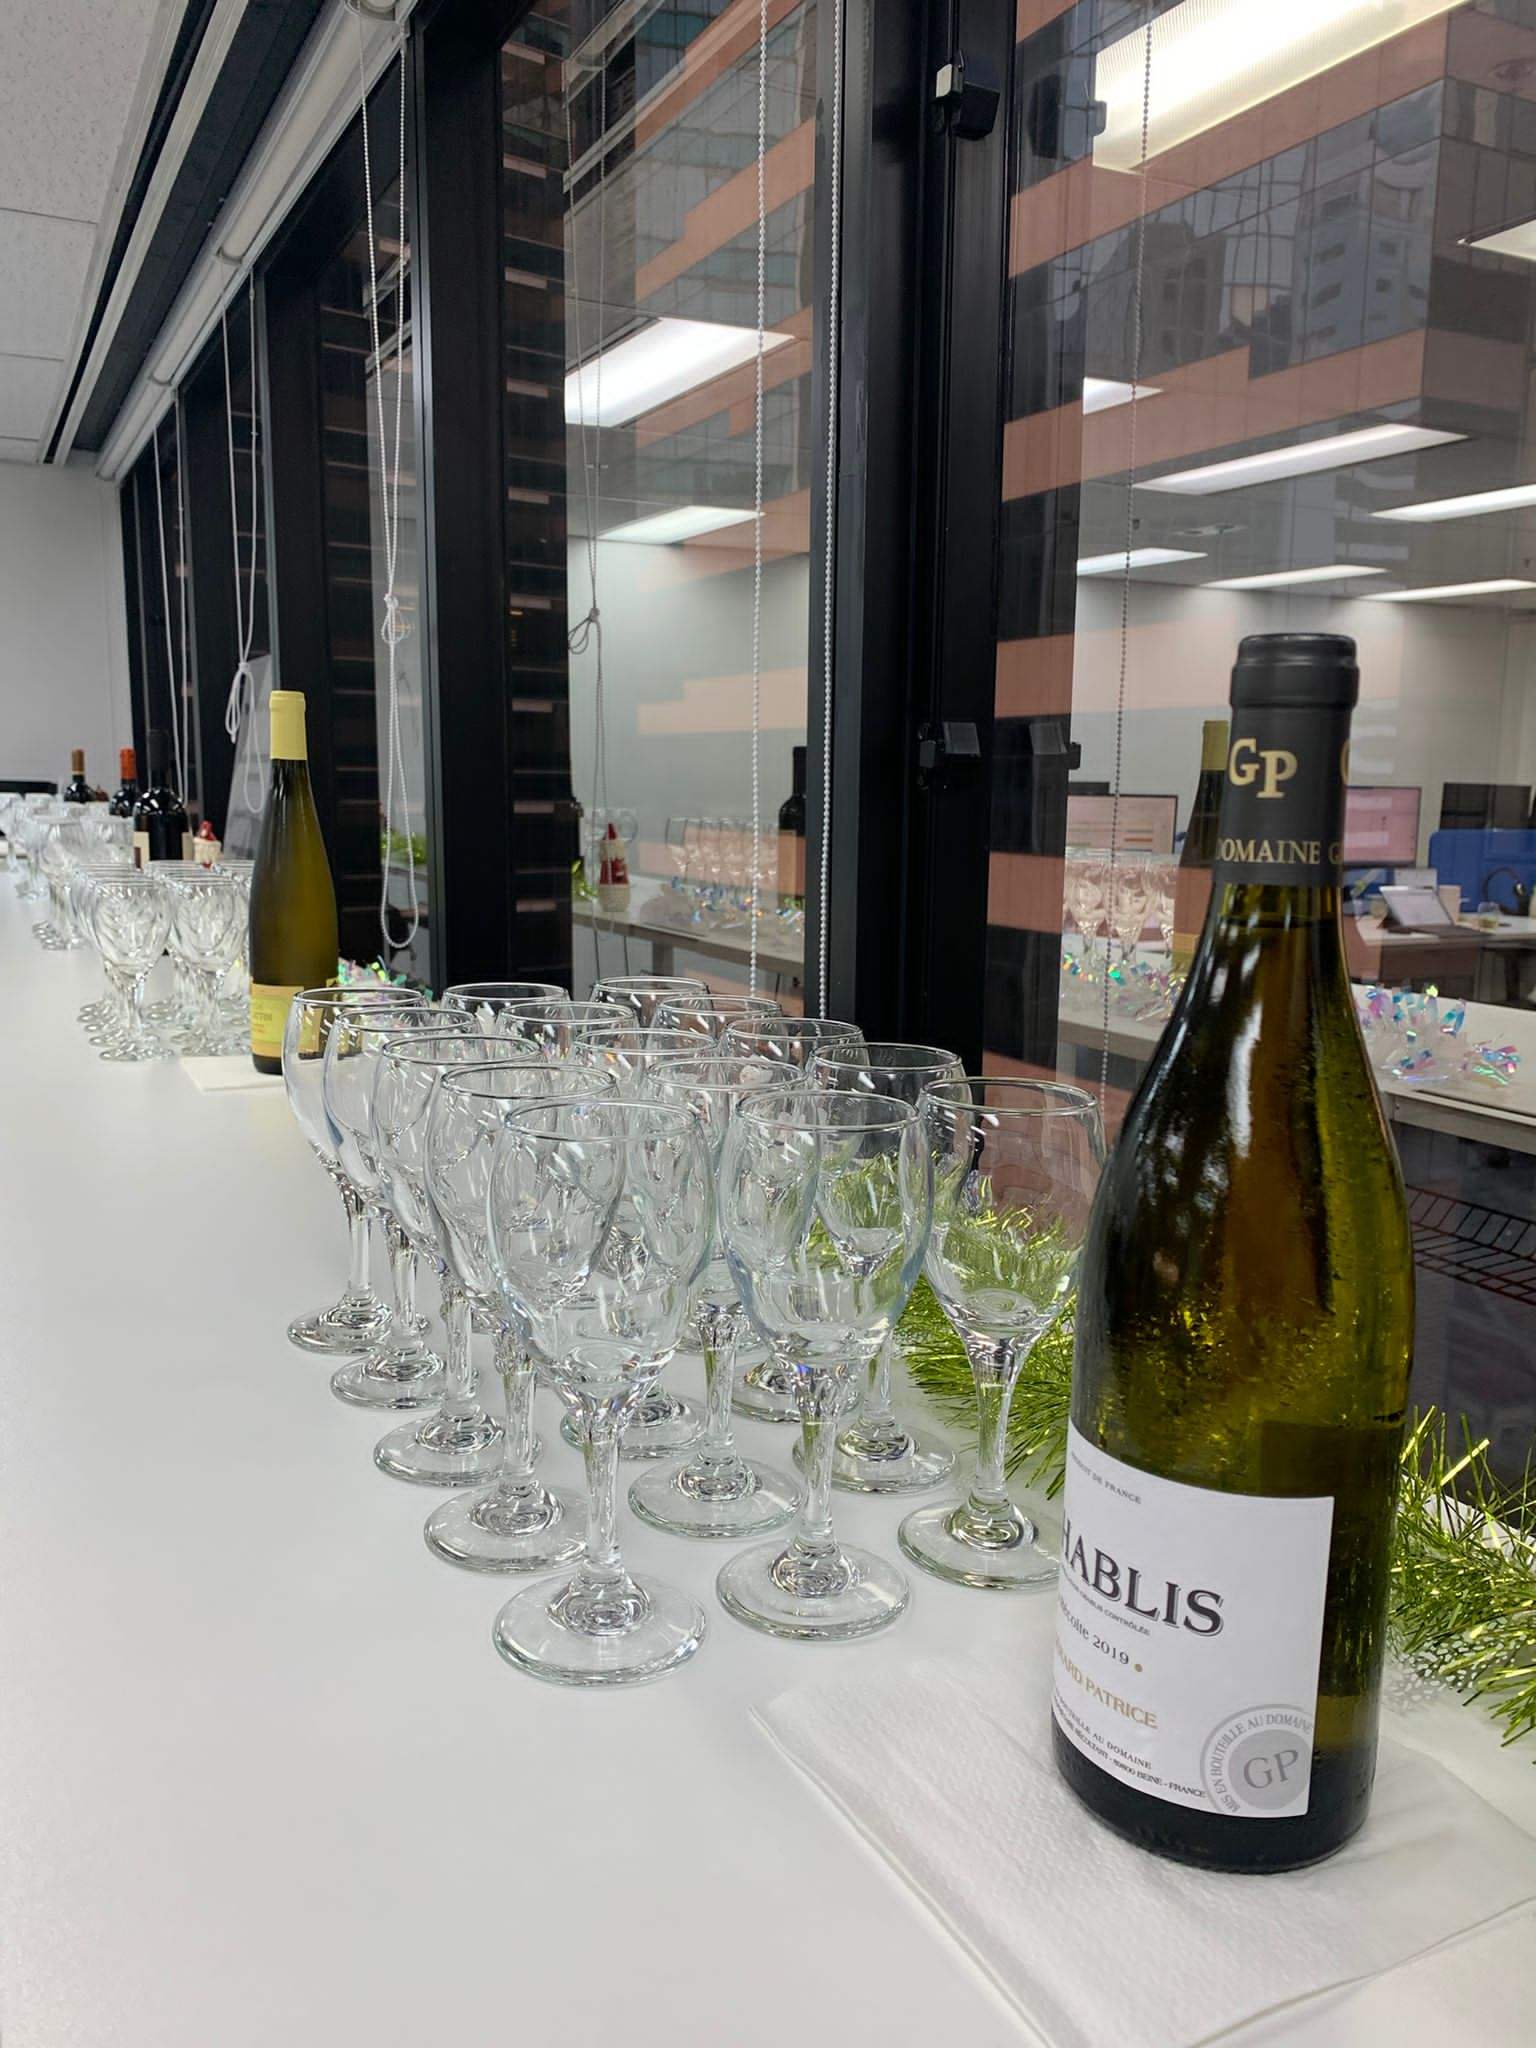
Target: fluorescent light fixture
[[1472, 507], [659, 362], [1211, 59], [1519, 240], [1286, 579], [1301, 458], [1444, 592], [685, 522], [1138, 558], [1100, 393]]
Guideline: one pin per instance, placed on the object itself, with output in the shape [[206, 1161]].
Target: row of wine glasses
[[597, 1188], [1122, 898]]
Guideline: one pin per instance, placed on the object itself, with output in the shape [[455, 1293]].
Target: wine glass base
[[341, 1328], [388, 1379], [766, 1392], [531, 1636], [873, 1596], [435, 1453], [664, 1435], [675, 1499], [483, 1533], [928, 1537], [922, 1465]]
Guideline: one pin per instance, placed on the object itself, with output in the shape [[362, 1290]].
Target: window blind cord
[[829, 562], [165, 609], [1112, 903], [242, 689], [394, 628], [757, 494]]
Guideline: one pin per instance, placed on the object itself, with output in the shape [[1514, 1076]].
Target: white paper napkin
[[946, 1768], [215, 1073]]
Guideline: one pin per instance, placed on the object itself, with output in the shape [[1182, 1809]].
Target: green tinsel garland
[[1463, 1604]]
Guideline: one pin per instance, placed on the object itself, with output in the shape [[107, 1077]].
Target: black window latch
[[966, 95]]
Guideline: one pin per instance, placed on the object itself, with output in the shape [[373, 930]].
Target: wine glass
[[710, 1016], [515, 1524], [792, 1041], [715, 1491], [207, 910], [129, 919], [554, 1027], [400, 1372], [640, 993], [1015, 1168], [875, 1453], [459, 1442], [485, 1003], [359, 1318], [600, 1216], [825, 1204]]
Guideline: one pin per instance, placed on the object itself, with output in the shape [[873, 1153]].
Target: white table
[[263, 1779], [783, 957]]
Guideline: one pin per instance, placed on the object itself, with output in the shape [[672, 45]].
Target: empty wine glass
[[514, 1524], [715, 1491], [130, 918], [459, 1441], [400, 1372], [359, 1318], [825, 1203], [792, 1041], [875, 1453], [710, 1016], [553, 1027], [487, 1002], [600, 1216], [207, 910], [1015, 1168], [640, 993]]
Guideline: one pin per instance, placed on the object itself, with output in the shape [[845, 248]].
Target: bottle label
[[1282, 809], [1189, 1626], [141, 849], [269, 1017]]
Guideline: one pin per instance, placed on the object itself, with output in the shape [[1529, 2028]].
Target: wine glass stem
[[458, 1365], [876, 1414], [136, 981], [359, 1289], [602, 1566], [996, 1364], [718, 1330], [813, 1542], [402, 1277], [519, 1380]]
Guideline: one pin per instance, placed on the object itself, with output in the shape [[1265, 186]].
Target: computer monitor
[[1484, 806], [1146, 825], [1381, 827]]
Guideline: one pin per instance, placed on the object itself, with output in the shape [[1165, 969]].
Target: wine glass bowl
[[1015, 1167]]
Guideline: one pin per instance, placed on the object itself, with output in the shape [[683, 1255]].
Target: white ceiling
[[78, 79]]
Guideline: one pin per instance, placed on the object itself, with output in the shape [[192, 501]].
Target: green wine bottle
[[1244, 1334], [293, 903]]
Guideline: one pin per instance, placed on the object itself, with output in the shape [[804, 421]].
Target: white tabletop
[[264, 1780]]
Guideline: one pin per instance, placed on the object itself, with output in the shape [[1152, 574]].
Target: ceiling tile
[[16, 451], [68, 71], [27, 388], [42, 274]]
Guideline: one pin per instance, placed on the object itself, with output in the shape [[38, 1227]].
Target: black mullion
[[133, 598], [210, 555]]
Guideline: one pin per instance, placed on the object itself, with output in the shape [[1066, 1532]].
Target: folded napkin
[[216, 1072], [946, 1768]]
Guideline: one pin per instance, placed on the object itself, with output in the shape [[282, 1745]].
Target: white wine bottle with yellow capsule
[[293, 901]]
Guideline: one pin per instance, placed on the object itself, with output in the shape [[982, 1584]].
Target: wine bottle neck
[[1282, 805]]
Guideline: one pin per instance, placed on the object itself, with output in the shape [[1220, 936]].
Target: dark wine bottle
[[1192, 885], [293, 901], [161, 830], [1243, 1338], [77, 790], [122, 805], [792, 833]]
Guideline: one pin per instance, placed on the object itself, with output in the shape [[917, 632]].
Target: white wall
[[1447, 692], [63, 634]]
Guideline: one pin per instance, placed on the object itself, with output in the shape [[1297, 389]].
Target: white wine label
[[141, 849], [1189, 1624], [269, 1017]]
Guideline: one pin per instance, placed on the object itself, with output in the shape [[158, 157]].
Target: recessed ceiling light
[[1282, 579], [1100, 393], [661, 361], [1444, 592], [685, 522], [1138, 558], [1471, 507], [1519, 240], [1301, 458], [1211, 59]]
